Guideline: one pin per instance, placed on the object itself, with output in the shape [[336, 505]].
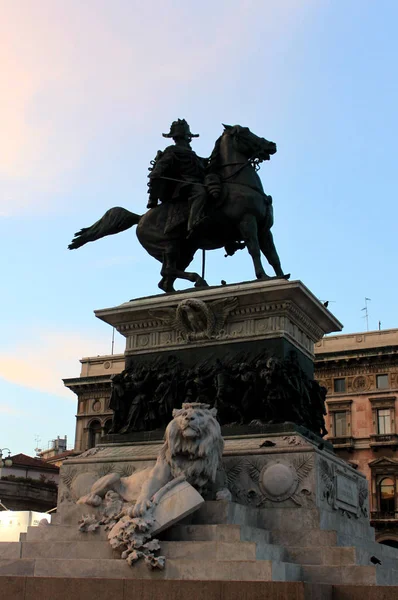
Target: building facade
[[29, 484], [360, 372], [93, 389]]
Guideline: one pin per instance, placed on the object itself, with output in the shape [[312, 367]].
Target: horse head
[[248, 143]]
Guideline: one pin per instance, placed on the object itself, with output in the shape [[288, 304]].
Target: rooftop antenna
[[366, 316], [113, 340]]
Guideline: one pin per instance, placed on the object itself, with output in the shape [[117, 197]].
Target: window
[[340, 424], [387, 495], [382, 382], [383, 421], [94, 434], [339, 385]]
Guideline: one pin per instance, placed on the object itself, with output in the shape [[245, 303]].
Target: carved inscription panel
[[346, 492]]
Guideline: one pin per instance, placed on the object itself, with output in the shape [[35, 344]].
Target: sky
[[86, 90]]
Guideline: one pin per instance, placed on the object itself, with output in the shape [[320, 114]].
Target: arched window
[[107, 426], [392, 543], [387, 495], [94, 433]]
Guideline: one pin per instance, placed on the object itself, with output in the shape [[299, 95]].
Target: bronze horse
[[242, 213]]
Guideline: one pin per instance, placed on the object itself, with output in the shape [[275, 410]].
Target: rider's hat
[[180, 128]]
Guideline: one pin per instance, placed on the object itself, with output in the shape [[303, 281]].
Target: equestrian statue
[[198, 203]]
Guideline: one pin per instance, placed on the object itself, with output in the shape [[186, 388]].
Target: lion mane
[[193, 444]]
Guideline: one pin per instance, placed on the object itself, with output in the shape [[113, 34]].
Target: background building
[[360, 372], [56, 452], [93, 388], [29, 484]]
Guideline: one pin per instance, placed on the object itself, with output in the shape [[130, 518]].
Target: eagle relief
[[195, 319]]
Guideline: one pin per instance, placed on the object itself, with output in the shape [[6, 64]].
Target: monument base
[[299, 514]]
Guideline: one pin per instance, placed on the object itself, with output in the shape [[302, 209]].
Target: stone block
[[203, 533], [364, 592], [321, 555], [67, 550], [337, 575], [271, 590], [209, 550], [17, 566], [222, 512], [12, 588], [289, 519], [177, 503], [254, 534], [89, 568], [64, 533], [177, 590], [10, 550], [311, 537], [65, 588]]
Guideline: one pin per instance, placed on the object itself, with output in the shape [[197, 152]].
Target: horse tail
[[115, 220]]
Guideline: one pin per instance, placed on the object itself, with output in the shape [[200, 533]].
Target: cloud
[[6, 409], [75, 73], [46, 359]]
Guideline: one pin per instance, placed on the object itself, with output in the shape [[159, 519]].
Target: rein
[[255, 163]]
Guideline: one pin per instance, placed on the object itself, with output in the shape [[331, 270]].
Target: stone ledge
[[47, 588]]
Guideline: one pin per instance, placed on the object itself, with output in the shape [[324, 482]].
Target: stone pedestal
[[280, 472], [277, 316]]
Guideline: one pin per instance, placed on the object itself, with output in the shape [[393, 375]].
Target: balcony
[[345, 442], [379, 440], [378, 516]]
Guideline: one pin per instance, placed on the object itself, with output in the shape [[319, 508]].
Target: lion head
[[193, 444]]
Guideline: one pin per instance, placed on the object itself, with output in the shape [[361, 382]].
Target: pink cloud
[[46, 358], [71, 70]]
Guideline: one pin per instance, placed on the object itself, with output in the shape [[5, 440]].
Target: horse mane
[[213, 163]]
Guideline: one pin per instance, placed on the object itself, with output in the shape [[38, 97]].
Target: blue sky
[[86, 91]]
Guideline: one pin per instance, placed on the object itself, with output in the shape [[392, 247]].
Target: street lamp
[[7, 461]]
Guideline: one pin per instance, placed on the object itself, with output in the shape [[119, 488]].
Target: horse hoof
[[201, 282], [165, 287]]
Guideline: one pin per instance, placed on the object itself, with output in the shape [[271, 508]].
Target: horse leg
[[167, 282], [170, 273], [268, 249], [249, 232]]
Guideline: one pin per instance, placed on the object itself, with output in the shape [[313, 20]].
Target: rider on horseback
[[179, 163]]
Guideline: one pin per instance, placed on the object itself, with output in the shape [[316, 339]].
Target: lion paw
[[224, 494], [140, 508], [91, 499]]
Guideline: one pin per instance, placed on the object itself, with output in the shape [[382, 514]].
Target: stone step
[[222, 533], [210, 550], [48, 588], [250, 570], [334, 521], [310, 537], [222, 551], [354, 575], [10, 550], [373, 548], [71, 549], [64, 533], [222, 512], [322, 555]]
